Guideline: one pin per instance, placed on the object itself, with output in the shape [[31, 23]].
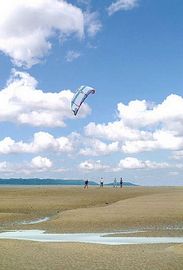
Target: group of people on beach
[[115, 183]]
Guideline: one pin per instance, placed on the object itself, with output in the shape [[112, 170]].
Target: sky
[[130, 51]]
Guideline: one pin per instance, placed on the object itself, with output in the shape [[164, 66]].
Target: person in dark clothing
[[86, 184], [121, 182]]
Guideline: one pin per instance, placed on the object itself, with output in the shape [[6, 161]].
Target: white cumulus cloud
[[134, 163], [115, 131], [161, 139], [36, 167], [42, 141], [139, 113], [27, 26], [143, 126], [22, 102], [96, 147], [41, 163], [92, 165]]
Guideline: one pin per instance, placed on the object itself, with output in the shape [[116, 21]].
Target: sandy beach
[[158, 210], [91, 135]]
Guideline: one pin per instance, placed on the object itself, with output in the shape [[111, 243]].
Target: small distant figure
[[121, 182], [101, 182], [115, 183], [86, 184]]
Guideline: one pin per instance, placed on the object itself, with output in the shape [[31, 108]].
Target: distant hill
[[51, 182], [124, 184], [39, 182]]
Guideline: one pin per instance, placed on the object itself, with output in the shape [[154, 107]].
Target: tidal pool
[[93, 238], [34, 221]]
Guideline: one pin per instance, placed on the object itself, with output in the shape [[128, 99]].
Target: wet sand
[[72, 209]]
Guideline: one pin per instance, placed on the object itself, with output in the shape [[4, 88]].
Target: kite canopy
[[81, 94]]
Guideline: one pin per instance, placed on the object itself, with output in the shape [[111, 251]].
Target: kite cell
[[81, 94]]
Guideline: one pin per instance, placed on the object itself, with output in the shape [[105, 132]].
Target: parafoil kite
[[81, 94]]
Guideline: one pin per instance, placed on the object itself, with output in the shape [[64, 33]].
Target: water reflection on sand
[[94, 238], [34, 221]]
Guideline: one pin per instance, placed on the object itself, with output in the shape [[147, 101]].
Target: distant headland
[[51, 182]]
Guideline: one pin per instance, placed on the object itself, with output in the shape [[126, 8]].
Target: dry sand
[[92, 210], [50, 256]]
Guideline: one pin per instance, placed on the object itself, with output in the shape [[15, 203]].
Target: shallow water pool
[[93, 238]]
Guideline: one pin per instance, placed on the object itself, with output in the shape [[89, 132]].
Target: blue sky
[[130, 51]]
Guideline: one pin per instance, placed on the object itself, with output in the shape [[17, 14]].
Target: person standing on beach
[[121, 182], [115, 183], [86, 184], [101, 182]]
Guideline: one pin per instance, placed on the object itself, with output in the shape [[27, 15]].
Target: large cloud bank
[[142, 126], [27, 27], [42, 141]]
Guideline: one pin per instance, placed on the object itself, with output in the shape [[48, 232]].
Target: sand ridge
[[92, 210]]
